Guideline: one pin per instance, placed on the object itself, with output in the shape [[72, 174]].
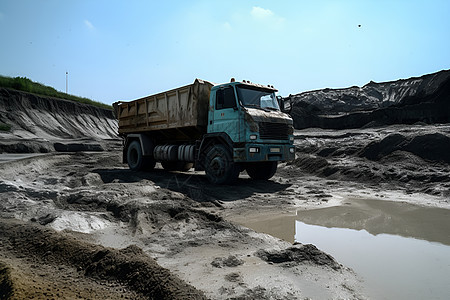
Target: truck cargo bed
[[178, 113]]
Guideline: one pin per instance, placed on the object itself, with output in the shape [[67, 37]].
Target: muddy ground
[[83, 225]]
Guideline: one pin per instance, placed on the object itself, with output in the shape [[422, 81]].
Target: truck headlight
[[291, 138], [292, 150], [253, 136]]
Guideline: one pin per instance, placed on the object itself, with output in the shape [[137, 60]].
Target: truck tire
[[220, 167], [177, 166], [137, 161], [262, 170]]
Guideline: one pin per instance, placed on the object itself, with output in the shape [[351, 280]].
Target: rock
[[230, 261], [25, 147], [298, 254]]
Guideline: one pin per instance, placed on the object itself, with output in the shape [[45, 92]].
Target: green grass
[[26, 85], [5, 127]]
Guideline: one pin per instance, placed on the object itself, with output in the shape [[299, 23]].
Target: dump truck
[[222, 129]]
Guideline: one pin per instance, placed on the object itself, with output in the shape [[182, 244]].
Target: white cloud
[[261, 13], [88, 24], [227, 26], [267, 17]]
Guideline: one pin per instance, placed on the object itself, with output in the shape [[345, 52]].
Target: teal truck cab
[[222, 129]]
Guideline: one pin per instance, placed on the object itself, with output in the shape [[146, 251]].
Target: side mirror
[[280, 101]]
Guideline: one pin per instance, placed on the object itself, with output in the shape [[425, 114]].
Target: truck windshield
[[257, 97]]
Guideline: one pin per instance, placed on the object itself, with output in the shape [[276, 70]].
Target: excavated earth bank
[[407, 101], [43, 124]]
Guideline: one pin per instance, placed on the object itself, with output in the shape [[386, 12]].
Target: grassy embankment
[[26, 85]]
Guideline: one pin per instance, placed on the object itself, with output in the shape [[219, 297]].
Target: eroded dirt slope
[[45, 124]]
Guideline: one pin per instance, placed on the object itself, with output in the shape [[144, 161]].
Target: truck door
[[226, 113]]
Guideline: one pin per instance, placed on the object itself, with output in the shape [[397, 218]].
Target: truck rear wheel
[[176, 166], [219, 166], [136, 160], [262, 170]]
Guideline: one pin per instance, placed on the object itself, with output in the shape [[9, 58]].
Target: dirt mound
[[433, 147], [310, 163], [379, 149], [129, 266]]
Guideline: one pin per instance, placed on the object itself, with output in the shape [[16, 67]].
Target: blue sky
[[122, 50]]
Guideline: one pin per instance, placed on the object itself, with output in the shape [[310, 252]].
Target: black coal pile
[[419, 99], [433, 147]]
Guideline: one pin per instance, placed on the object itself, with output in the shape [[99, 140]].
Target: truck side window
[[225, 98]]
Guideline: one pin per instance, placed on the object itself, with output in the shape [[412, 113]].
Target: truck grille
[[273, 131]]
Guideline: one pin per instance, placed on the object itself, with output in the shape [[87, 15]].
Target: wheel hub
[[218, 166]]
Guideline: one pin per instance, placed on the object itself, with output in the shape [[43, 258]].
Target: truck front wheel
[[262, 170], [137, 161], [219, 166]]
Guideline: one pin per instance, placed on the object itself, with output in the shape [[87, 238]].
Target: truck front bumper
[[264, 152]]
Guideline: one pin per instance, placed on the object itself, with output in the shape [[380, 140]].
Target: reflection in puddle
[[377, 216], [402, 251], [393, 267]]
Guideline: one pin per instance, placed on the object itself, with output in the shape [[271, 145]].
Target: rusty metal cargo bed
[[178, 113]]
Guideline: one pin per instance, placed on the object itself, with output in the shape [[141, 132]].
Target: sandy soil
[[88, 199], [84, 218]]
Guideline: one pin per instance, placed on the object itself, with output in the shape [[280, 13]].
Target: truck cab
[[248, 118]]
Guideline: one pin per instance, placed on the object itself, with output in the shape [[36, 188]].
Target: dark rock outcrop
[[407, 101], [77, 147], [298, 254]]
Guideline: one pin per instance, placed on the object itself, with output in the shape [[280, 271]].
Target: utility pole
[[67, 82]]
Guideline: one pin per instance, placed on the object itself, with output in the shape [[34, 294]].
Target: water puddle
[[402, 251], [392, 266]]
